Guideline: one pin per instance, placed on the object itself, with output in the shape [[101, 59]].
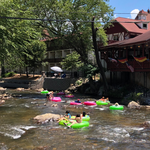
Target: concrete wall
[[139, 78], [53, 84], [46, 83], [18, 83]]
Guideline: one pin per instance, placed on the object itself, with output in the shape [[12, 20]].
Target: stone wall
[[18, 83], [53, 84]]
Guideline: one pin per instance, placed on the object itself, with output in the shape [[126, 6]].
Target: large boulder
[[46, 117], [134, 104]]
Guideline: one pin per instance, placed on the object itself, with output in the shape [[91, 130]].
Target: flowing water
[[108, 130]]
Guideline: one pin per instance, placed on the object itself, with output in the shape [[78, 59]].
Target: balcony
[[122, 67]]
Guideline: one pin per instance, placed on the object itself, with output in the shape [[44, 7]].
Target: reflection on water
[[109, 129]]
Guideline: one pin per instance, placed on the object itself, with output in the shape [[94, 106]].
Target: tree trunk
[[97, 57], [27, 72], [2, 67]]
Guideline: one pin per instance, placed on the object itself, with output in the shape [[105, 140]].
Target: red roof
[[129, 25], [138, 39], [143, 12]]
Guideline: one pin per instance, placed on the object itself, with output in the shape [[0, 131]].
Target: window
[[116, 38], [144, 17], [145, 25]]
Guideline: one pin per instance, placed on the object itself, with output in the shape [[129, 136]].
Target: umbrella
[[56, 69]]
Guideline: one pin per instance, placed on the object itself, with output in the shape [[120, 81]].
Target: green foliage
[[79, 82], [72, 61], [90, 70], [73, 21], [9, 74], [16, 35], [35, 55], [134, 96]]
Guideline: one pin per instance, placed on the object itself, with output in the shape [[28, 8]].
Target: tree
[[15, 34], [70, 21], [97, 55], [72, 61], [37, 52]]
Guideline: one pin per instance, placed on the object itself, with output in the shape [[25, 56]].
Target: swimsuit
[[77, 101]]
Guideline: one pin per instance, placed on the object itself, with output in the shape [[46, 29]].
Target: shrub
[[9, 74], [78, 82]]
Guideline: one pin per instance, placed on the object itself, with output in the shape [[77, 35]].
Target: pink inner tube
[[69, 96], [89, 103], [60, 93], [74, 103], [56, 99]]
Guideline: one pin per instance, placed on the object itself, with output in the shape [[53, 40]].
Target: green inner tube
[[101, 103], [86, 118], [76, 125], [62, 122], [119, 107], [44, 92]]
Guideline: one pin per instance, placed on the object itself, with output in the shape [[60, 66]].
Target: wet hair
[[67, 111], [77, 115], [84, 113]]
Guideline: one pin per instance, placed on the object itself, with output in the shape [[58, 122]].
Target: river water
[[108, 130]]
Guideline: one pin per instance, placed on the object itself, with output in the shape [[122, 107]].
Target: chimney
[[148, 11]]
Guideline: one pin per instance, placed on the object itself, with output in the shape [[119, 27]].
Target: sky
[[123, 8]]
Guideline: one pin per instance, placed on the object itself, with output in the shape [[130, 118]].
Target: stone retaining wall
[[18, 83], [53, 84]]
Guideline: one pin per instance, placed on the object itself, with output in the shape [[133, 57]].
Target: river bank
[[122, 94]]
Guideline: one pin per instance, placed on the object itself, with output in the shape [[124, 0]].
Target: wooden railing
[[122, 67]]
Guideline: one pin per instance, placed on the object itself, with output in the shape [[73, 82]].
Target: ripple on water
[[14, 132], [113, 134]]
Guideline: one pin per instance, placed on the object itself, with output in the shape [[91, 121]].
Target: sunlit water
[[108, 130]]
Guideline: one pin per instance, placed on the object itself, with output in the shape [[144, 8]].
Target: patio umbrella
[[56, 69]]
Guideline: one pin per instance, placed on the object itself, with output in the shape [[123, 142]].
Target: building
[[55, 52], [128, 49]]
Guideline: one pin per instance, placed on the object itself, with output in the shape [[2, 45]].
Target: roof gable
[[130, 25], [138, 39]]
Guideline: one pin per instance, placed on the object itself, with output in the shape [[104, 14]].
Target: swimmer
[[78, 119], [78, 101], [49, 96], [66, 117]]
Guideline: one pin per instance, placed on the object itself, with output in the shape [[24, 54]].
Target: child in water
[[78, 119], [77, 101], [66, 117], [49, 96]]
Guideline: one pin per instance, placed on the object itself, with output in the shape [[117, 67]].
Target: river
[[108, 130]]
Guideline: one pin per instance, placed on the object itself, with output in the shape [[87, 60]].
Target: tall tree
[[70, 20], [94, 30], [37, 53], [15, 34]]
